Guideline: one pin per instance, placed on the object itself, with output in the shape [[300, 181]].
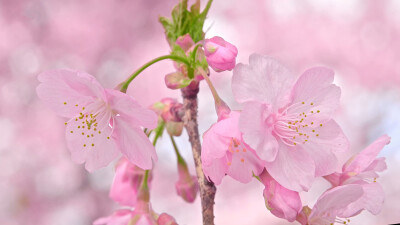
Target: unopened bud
[[166, 219], [221, 55]]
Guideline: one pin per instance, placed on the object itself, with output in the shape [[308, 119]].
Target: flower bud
[[174, 128], [126, 183], [221, 55], [187, 185], [176, 80], [185, 42], [282, 202], [166, 219]]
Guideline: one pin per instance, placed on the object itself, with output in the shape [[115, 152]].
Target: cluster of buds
[[217, 53]]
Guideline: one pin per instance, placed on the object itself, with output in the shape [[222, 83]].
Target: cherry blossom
[[288, 122], [225, 152], [328, 205], [102, 122], [362, 170]]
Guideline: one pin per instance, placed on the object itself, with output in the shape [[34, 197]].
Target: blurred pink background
[[39, 184]]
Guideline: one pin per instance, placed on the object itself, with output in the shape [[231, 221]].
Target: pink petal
[[93, 146], [282, 202], [378, 165], [372, 200], [256, 133], [215, 170], [361, 161], [321, 148], [264, 80], [214, 146], [293, 168], [66, 92], [334, 179], [128, 107], [228, 127], [334, 200], [315, 95], [216, 140], [133, 143], [244, 165]]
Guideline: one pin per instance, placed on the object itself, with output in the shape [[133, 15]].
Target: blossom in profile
[[328, 206], [283, 203], [225, 152], [287, 122], [102, 122], [220, 54], [362, 170], [127, 180]]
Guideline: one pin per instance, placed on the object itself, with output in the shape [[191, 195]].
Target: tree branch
[[207, 189]]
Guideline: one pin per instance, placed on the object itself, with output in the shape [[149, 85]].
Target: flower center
[[236, 147], [297, 127], [91, 122]]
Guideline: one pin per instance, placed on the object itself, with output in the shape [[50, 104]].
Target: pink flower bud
[[221, 55], [166, 219], [282, 202], [126, 183], [185, 42], [187, 185]]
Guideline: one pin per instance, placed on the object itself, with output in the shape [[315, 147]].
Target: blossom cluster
[[285, 136]]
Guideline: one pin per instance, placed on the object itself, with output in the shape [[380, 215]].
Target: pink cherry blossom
[[220, 54], [362, 170], [225, 152], [327, 207], [282, 202], [288, 122], [126, 183], [102, 122]]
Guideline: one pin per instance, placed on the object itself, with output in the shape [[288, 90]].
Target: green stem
[[138, 71], [146, 179], [178, 154], [207, 8], [217, 99], [193, 56], [145, 185]]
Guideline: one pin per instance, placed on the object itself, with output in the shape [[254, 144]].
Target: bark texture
[[207, 189]]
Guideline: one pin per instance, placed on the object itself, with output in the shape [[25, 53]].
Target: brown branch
[[207, 189]]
